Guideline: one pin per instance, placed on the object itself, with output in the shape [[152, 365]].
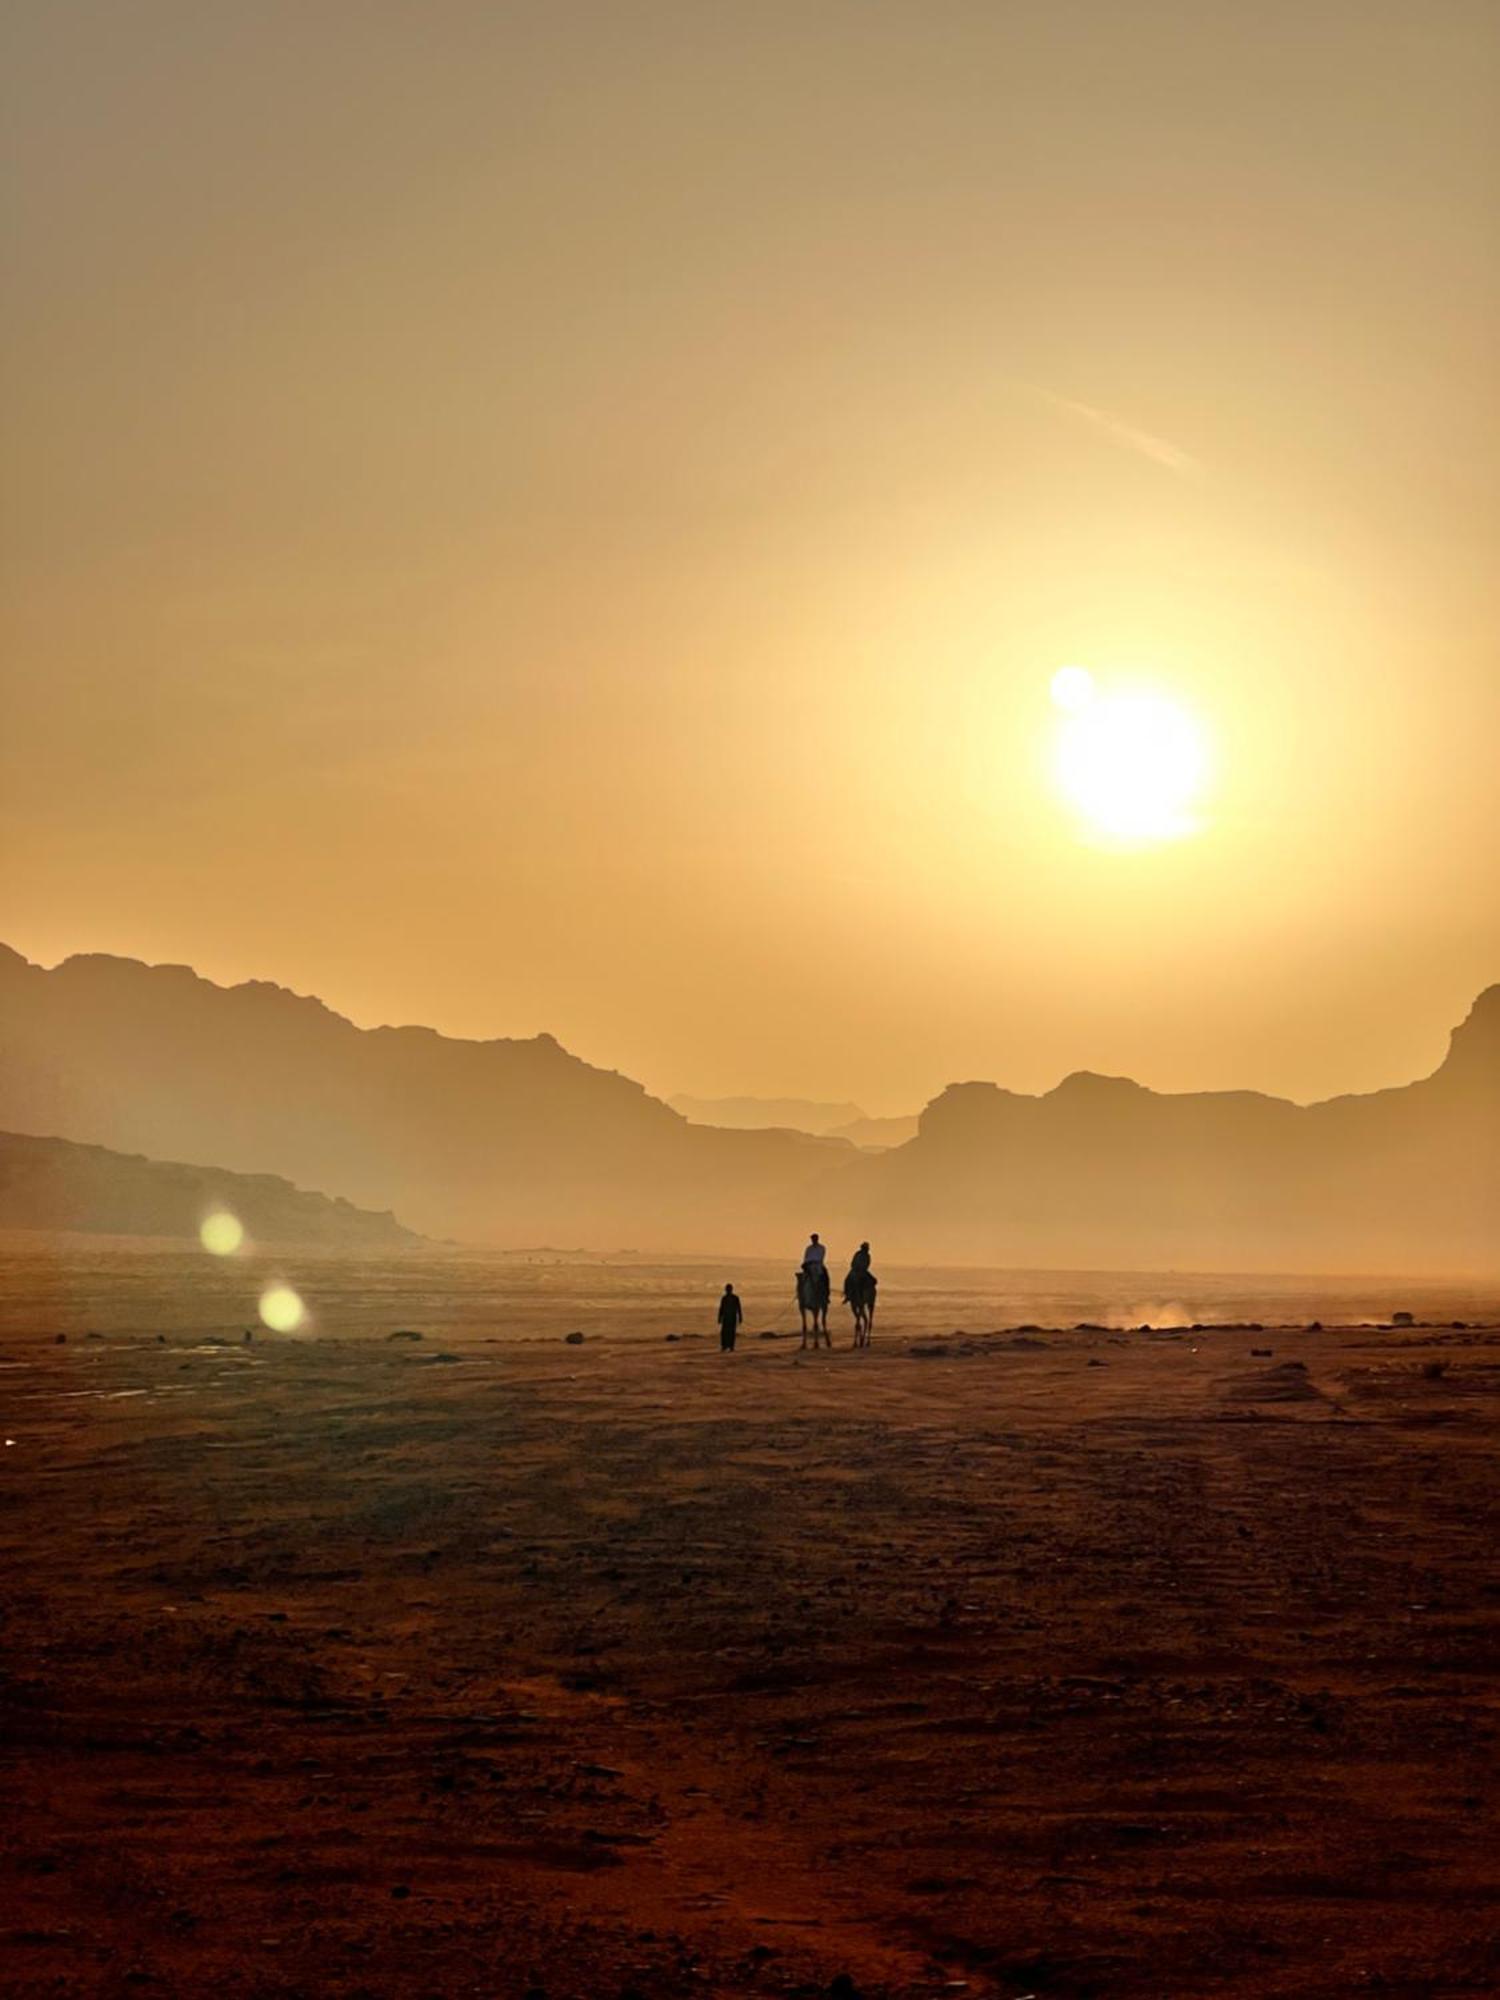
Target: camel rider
[[815, 1256], [859, 1263]]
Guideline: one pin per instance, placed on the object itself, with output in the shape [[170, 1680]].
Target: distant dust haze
[[565, 518]]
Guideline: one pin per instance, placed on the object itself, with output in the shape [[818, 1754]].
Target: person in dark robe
[[731, 1312]]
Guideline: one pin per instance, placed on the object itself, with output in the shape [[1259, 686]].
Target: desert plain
[[1034, 1651]]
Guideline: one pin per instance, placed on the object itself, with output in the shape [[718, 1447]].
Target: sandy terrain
[[1086, 1662]]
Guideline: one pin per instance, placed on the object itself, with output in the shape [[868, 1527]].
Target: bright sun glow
[[1132, 765], [221, 1233], [281, 1309]]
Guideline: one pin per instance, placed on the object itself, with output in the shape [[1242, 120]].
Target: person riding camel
[[815, 1256]]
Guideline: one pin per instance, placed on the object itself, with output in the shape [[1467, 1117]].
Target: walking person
[[731, 1312]]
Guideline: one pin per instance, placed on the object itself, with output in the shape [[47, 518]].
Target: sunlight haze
[[567, 517]]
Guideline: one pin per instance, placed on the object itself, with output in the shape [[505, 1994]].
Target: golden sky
[[566, 516]]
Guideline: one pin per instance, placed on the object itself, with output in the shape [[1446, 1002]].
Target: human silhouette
[[816, 1252], [859, 1294], [731, 1312], [813, 1289]]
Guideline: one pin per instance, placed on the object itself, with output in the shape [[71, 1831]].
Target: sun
[[1132, 765]]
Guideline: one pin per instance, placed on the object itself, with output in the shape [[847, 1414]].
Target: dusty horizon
[[802, 551]]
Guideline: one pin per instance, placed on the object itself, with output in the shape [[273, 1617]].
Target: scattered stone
[[671, 1336], [62, 1340], [1263, 1353], [1315, 1326], [1402, 1319], [406, 1333], [573, 1339], [1095, 1362], [769, 1334], [399, 1892], [1434, 1371], [842, 1987], [936, 1350]]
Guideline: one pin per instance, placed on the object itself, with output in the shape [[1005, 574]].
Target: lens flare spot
[[221, 1233], [281, 1309]]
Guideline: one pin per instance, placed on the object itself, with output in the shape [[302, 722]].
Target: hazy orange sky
[[565, 516]]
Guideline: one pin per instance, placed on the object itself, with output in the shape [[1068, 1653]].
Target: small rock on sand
[[573, 1339]]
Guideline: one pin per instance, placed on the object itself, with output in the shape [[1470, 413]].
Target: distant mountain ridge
[[517, 1142], [795, 1114], [509, 1141], [56, 1184], [1406, 1178], [766, 1114], [877, 1134]]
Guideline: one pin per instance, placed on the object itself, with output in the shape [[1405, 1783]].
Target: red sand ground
[[1050, 1664]]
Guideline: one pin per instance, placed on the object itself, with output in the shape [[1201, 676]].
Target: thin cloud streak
[[1161, 451]]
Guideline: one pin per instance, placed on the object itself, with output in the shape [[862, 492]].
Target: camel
[[859, 1297], [813, 1294]]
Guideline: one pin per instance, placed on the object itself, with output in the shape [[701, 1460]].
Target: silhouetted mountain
[[1103, 1172], [509, 1141], [877, 1134], [56, 1185], [766, 1114], [796, 1114], [519, 1142]]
